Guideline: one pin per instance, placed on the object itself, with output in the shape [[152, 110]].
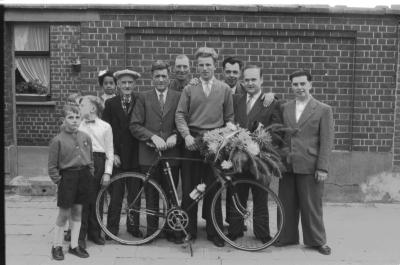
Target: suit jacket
[[147, 119], [240, 90], [125, 145], [311, 141]]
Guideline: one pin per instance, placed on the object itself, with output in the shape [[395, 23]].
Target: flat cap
[[206, 52], [120, 73]]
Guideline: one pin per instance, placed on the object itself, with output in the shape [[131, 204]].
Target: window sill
[[35, 103]]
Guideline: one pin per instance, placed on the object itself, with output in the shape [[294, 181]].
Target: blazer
[[147, 119], [310, 143], [125, 145]]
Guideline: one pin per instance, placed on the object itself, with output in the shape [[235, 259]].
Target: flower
[[226, 164], [253, 148]]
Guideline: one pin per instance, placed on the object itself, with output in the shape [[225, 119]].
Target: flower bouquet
[[235, 150]]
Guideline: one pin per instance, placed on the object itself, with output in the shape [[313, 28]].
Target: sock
[[76, 227], [58, 236]]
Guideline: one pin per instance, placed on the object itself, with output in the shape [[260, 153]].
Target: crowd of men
[[170, 116]]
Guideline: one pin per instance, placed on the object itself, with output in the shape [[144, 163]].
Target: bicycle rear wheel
[[129, 218], [256, 225]]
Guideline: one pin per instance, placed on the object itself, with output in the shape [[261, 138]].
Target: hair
[[206, 52], [301, 73], [232, 60], [96, 102], [69, 108], [104, 75], [182, 56], [253, 66], [159, 65]]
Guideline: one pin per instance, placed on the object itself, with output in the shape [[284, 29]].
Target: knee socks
[[58, 236], [76, 227]]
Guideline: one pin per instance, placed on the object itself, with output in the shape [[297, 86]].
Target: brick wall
[[396, 135], [352, 58]]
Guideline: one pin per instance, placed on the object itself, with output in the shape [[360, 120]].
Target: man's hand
[[171, 141], [105, 180], [321, 175], [117, 161], [159, 142], [267, 98], [190, 143], [231, 126]]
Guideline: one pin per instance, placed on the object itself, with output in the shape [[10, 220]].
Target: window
[[32, 59]]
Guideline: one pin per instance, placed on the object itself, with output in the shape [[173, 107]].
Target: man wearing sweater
[[205, 104]]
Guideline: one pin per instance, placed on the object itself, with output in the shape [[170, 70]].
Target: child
[[70, 166], [108, 82], [101, 135]]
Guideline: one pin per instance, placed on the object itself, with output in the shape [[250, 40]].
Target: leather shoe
[[234, 237], [216, 240], [67, 235], [79, 252], [324, 250], [136, 233], [279, 244], [97, 240], [57, 253], [82, 243], [178, 240], [265, 239]]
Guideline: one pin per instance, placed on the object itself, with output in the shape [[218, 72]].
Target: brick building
[[352, 54]]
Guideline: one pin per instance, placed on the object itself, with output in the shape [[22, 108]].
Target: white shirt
[[204, 84], [300, 106], [233, 89], [102, 140], [164, 94], [107, 96], [253, 99]]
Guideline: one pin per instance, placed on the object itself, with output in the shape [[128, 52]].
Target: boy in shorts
[[70, 166]]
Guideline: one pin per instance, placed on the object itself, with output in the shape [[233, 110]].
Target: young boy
[[101, 135], [70, 166], [108, 82]]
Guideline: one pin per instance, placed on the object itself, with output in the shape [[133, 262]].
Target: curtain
[[34, 68], [31, 37]]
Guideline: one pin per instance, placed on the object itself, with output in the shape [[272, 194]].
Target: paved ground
[[357, 233]]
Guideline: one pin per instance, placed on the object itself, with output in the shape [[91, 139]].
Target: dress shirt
[[300, 106], [105, 96], [207, 85], [233, 89], [164, 93], [102, 140], [253, 99]]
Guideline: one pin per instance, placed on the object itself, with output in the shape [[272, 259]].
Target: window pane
[[31, 37], [35, 71]]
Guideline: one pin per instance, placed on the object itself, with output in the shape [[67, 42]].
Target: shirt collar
[[164, 93], [254, 97], [203, 82]]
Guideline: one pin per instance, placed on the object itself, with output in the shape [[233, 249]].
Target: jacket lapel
[[258, 105], [290, 112], [168, 102], [154, 103], [307, 112], [241, 113]]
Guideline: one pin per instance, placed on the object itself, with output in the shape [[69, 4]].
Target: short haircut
[[96, 102], [104, 74], [159, 65], [182, 56], [253, 66], [301, 73], [68, 109], [232, 60], [206, 52]]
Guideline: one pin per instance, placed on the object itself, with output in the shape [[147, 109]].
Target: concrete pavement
[[357, 233]]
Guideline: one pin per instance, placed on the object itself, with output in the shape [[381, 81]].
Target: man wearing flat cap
[[153, 120], [117, 113], [204, 105]]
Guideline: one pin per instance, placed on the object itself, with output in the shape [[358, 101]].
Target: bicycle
[[171, 216]]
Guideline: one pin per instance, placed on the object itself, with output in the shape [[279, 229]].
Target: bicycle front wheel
[[254, 214], [132, 209]]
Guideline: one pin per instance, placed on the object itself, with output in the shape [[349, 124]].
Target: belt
[[100, 154], [75, 168]]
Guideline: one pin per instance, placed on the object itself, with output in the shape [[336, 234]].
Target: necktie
[[248, 104], [126, 100], [89, 121], [161, 100], [207, 88]]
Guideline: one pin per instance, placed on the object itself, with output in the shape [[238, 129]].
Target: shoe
[[216, 240], [98, 240], [234, 237], [324, 250], [78, 251], [279, 244], [265, 239], [170, 237], [57, 253], [136, 233], [67, 235], [178, 240], [82, 243]]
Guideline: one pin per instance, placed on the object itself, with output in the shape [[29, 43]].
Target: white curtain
[[33, 37], [34, 68]]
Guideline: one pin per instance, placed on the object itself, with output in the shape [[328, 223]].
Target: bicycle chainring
[[177, 219]]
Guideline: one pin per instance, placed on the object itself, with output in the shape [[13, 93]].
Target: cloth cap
[[120, 73]]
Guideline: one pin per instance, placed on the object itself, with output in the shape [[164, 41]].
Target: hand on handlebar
[[171, 141], [159, 142], [190, 143]]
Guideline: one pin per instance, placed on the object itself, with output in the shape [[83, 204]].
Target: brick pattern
[[8, 96], [354, 75], [396, 135]]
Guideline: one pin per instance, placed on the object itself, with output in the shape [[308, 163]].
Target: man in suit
[[153, 120], [117, 113], [249, 109], [182, 73], [232, 70], [204, 105], [309, 146]]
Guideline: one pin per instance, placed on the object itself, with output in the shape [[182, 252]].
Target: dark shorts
[[73, 187]]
